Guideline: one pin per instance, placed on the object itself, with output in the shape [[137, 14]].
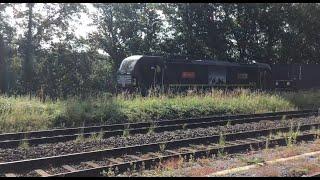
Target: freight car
[[144, 72], [295, 76]]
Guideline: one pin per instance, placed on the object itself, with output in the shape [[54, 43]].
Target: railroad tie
[[262, 138], [114, 161], [305, 132], [10, 175], [188, 149], [243, 141], [42, 173], [213, 146], [69, 168], [92, 164], [172, 152], [200, 147], [135, 157], [252, 139], [155, 154], [232, 143]]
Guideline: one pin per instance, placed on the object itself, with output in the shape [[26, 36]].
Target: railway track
[[121, 159], [12, 140]]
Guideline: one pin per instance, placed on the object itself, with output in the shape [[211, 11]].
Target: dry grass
[[171, 164], [267, 171], [203, 161], [201, 171], [288, 152]]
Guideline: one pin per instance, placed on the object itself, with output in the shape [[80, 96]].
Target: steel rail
[[29, 164], [152, 162], [143, 130]]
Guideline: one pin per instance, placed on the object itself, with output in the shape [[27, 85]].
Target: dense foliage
[[47, 59]]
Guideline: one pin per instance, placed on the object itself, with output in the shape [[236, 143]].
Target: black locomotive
[[143, 72]]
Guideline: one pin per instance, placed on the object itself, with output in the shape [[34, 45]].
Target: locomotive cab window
[[128, 64]]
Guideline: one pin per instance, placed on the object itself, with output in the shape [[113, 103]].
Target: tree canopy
[[48, 57]]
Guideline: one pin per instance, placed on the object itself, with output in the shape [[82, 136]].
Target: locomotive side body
[[144, 72], [206, 73]]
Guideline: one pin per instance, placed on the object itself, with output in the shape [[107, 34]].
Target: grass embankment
[[303, 99], [22, 113]]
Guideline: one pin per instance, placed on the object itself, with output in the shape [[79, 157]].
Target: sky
[[83, 28]]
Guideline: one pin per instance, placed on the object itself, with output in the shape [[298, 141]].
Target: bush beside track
[[25, 114]]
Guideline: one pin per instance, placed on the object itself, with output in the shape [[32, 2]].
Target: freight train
[[144, 72]]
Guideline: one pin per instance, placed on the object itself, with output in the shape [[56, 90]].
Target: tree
[[49, 56], [3, 66], [28, 51], [6, 36], [41, 30], [127, 29]]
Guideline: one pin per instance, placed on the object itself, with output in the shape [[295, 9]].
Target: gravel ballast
[[54, 149]]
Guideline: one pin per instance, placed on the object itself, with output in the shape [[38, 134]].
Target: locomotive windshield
[[128, 64]]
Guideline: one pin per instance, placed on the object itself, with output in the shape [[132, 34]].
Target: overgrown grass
[[22, 113], [195, 105], [303, 99]]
